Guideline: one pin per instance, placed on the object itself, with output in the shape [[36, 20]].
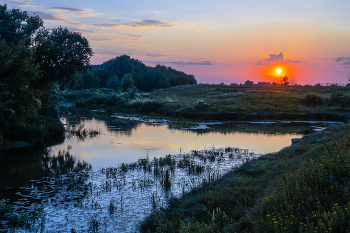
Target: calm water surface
[[73, 190], [125, 141]]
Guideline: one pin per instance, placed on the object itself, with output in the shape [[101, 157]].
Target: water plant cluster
[[202, 164], [64, 181], [302, 188], [115, 199], [80, 132]]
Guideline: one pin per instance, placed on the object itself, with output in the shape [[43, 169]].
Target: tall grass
[[316, 197]]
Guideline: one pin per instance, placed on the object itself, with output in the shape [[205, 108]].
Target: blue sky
[[217, 41]]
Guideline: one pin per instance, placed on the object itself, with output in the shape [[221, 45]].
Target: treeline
[[32, 59], [125, 72]]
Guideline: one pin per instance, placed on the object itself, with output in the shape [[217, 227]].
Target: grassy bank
[[220, 102], [302, 188]]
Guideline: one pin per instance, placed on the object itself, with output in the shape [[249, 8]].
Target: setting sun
[[278, 71]]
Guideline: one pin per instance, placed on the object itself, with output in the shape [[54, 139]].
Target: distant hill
[[145, 77]]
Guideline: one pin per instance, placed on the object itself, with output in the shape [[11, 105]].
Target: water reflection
[[125, 141], [76, 116], [23, 167]]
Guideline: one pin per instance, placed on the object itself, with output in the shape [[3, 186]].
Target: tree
[[61, 53], [17, 70], [248, 83], [114, 83], [18, 101], [103, 75], [91, 81], [128, 82], [17, 25], [31, 60], [285, 80]]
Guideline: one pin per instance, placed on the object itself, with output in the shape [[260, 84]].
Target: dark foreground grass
[[302, 188], [225, 103]]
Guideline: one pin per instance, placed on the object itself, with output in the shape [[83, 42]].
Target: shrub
[[312, 99], [340, 99]]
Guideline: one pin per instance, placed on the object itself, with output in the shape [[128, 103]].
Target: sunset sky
[[217, 41]]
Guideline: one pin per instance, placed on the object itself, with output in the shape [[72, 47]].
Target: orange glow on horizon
[[276, 71]]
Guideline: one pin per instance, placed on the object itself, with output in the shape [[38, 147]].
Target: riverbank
[[302, 188], [44, 128], [223, 103]]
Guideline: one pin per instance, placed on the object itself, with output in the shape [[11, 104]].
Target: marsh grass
[[81, 133], [302, 188], [229, 103]]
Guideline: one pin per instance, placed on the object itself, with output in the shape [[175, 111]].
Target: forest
[[124, 72]]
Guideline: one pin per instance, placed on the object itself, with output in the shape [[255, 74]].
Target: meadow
[[222, 102]]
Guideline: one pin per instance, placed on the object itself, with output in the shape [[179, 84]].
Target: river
[[85, 184]]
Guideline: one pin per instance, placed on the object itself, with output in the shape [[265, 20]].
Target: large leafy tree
[[61, 53], [31, 60], [18, 101], [17, 25]]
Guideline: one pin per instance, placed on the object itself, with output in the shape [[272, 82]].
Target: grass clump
[[316, 197]]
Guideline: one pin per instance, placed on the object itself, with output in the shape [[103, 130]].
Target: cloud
[[47, 16], [89, 13], [260, 64], [147, 23], [84, 13], [107, 25], [103, 39], [114, 53], [150, 23], [341, 59], [134, 37], [346, 61], [276, 58], [288, 61], [66, 9], [154, 54], [200, 63], [79, 30], [19, 3]]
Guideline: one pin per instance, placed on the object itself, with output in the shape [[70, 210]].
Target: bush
[[312, 99], [340, 99]]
